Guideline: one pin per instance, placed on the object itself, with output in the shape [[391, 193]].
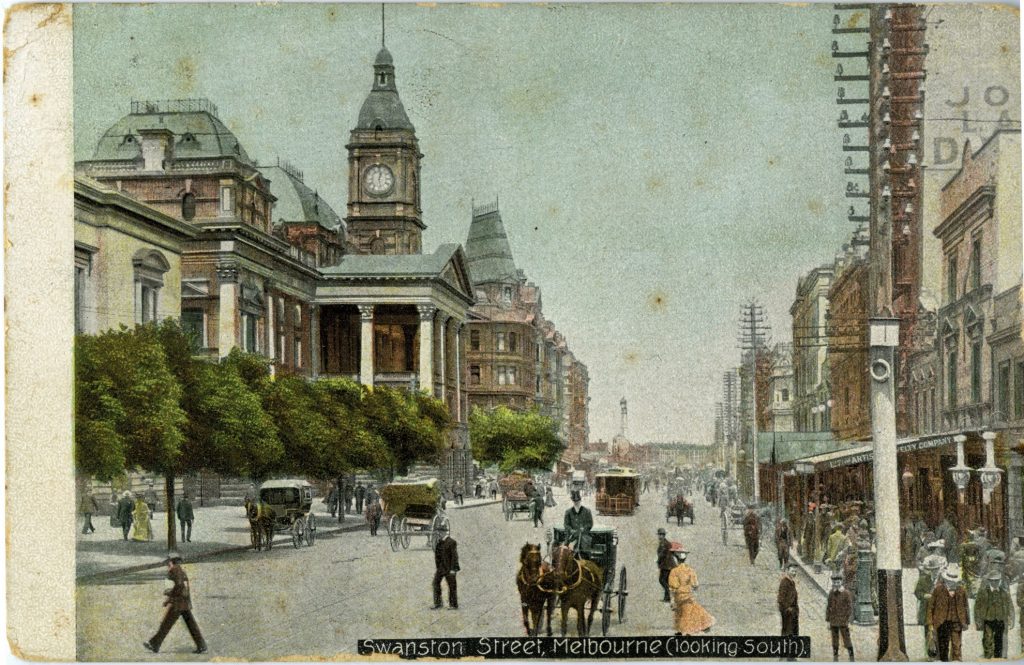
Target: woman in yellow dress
[[690, 617], [140, 514]]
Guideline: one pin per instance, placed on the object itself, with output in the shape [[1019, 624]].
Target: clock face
[[378, 179]]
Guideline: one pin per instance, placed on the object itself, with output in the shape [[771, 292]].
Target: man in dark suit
[[578, 522], [752, 533], [124, 513], [948, 613], [666, 562], [178, 604], [446, 565], [185, 515], [788, 602], [837, 615]]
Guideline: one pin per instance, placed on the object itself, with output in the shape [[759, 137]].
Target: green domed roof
[[198, 133], [296, 202]]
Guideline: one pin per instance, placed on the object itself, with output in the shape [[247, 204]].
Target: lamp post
[[884, 336], [989, 475]]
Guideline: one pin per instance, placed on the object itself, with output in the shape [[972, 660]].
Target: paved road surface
[[318, 601]]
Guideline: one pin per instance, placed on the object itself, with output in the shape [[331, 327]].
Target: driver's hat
[[575, 496]]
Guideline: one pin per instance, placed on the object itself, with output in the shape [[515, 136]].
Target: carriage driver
[[577, 523]]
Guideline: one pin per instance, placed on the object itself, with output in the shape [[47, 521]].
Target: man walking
[[360, 496], [178, 604], [783, 541], [578, 522], [949, 614], [752, 533], [666, 562], [124, 513], [446, 565], [837, 614], [928, 576], [788, 603], [185, 516], [87, 507], [993, 613]]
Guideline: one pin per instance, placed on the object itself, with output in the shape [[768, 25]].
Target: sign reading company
[[904, 447]]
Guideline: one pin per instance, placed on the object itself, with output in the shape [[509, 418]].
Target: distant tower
[[625, 416]]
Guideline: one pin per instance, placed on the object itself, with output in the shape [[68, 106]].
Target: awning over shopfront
[[838, 458], [851, 453], [791, 446]]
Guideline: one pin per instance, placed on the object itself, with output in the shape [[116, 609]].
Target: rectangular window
[[951, 380], [951, 279], [297, 351], [280, 348], [512, 342], [227, 203], [1018, 391], [976, 371], [501, 374], [976, 263], [499, 341], [474, 340], [933, 411], [148, 304], [249, 335], [537, 381], [1003, 392], [297, 318], [510, 373], [474, 375], [193, 324], [507, 294], [785, 394]]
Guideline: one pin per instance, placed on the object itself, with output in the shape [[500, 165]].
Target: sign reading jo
[[947, 149]]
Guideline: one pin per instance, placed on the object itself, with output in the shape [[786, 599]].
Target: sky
[[657, 166]]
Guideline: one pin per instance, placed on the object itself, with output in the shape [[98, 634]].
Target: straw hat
[[993, 575], [933, 562], [952, 573]]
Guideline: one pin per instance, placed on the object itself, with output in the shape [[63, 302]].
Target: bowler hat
[[836, 575], [662, 532], [951, 573]]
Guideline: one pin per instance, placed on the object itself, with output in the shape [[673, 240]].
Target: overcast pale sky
[[657, 165]]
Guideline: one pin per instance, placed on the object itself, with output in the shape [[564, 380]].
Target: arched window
[[150, 266], [188, 206], [377, 246]]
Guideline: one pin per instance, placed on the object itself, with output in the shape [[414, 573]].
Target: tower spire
[[382, 25]]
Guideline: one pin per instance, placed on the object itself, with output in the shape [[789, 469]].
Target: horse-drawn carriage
[[679, 507], [413, 509], [592, 577], [284, 505], [617, 492], [517, 491]]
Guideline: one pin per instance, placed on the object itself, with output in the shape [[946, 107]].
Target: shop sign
[[924, 444], [859, 458]]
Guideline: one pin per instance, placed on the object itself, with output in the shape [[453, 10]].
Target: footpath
[[216, 530], [914, 632]]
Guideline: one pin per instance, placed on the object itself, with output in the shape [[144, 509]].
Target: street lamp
[[961, 472], [990, 473]]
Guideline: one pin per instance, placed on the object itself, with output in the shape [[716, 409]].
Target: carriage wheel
[[310, 530], [435, 527], [622, 594], [606, 611], [298, 526], [393, 526], [405, 534]]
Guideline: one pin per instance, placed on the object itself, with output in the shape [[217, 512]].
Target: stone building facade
[[515, 357], [811, 381]]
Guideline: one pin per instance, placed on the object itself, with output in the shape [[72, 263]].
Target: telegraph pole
[[730, 396], [753, 335]]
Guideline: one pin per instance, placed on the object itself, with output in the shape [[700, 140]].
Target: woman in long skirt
[[143, 530], [690, 617]]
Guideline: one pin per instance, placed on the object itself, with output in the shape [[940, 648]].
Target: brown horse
[[534, 594], [261, 527], [574, 581]]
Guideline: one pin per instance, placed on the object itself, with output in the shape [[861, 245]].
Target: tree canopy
[[513, 440]]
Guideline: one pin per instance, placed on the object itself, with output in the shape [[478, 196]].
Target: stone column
[[442, 353], [427, 313], [458, 372], [271, 334], [227, 327], [314, 340], [366, 345]]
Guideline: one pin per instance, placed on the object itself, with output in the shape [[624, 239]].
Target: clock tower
[[384, 214]]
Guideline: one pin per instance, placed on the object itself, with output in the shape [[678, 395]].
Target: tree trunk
[[171, 517]]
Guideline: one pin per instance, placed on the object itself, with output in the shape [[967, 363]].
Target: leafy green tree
[[353, 446], [99, 446], [513, 440], [413, 425]]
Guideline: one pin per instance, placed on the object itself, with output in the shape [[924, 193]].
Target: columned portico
[[366, 345], [426, 368], [441, 349], [314, 340], [458, 372]]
